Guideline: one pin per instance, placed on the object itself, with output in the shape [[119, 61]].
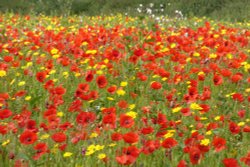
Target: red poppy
[[194, 155], [84, 118], [28, 137], [156, 85], [41, 148], [21, 163], [150, 146], [217, 80], [8, 59], [230, 162], [5, 113], [101, 81], [169, 143], [186, 111], [246, 159], [129, 155], [123, 104], [241, 113], [116, 136], [89, 76], [236, 78], [3, 129], [41, 76], [234, 128], [182, 163], [59, 137], [131, 137], [112, 89], [126, 121], [219, 144], [147, 130], [109, 120], [238, 96]]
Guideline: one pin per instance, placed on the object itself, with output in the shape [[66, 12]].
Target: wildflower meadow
[[116, 90]]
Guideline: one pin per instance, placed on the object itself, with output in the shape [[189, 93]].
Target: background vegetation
[[230, 10]]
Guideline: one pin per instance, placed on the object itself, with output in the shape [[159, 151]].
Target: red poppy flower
[[89, 76], [112, 89], [194, 155], [150, 146], [5, 113], [41, 76], [28, 137], [129, 155], [116, 136], [182, 163], [8, 59], [236, 78], [156, 85], [169, 143], [101, 81], [230, 162], [3, 129], [246, 159], [109, 120], [238, 96], [126, 121], [234, 128], [219, 144], [186, 111], [131, 137], [147, 130], [59, 137], [123, 104], [84, 118], [217, 80], [241, 113], [41, 148]]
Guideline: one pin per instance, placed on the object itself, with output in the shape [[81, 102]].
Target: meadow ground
[[118, 90]]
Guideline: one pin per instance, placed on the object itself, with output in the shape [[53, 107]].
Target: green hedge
[[233, 10]]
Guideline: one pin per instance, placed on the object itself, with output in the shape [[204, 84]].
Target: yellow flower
[[54, 51], [101, 156], [112, 145], [131, 106], [110, 98], [209, 132], [93, 135], [27, 98], [21, 83], [120, 92], [173, 45], [195, 106], [67, 154], [196, 54], [6, 142], [168, 135], [205, 142], [212, 56], [45, 136], [60, 114], [99, 147], [241, 123], [124, 83], [91, 51], [99, 72], [176, 109], [132, 114], [217, 118], [2, 73]]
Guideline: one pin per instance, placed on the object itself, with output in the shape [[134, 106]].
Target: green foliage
[[229, 10]]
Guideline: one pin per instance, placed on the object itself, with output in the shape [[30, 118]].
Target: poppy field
[[118, 90]]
